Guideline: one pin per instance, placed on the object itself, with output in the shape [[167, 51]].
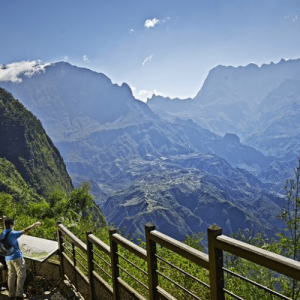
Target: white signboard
[[37, 249]]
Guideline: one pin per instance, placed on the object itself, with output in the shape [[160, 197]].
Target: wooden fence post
[[3, 222], [216, 273], [61, 250], [114, 263], [152, 262], [90, 257]]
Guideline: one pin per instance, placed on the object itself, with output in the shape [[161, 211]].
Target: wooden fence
[[96, 270], [2, 222]]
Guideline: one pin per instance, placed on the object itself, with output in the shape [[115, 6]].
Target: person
[[3, 267], [15, 261]]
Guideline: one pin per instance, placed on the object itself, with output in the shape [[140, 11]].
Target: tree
[[290, 214], [80, 199]]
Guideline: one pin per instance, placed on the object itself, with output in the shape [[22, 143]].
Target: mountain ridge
[[124, 148]]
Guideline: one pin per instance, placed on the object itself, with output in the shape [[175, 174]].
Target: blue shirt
[[13, 239]]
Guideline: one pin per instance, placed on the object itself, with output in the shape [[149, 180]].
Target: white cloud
[[151, 23], [85, 58], [147, 59], [131, 30], [143, 95], [11, 72]]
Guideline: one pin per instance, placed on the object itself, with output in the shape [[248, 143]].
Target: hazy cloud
[[85, 58], [296, 17], [10, 72], [131, 30], [147, 59], [293, 18], [166, 19], [151, 23]]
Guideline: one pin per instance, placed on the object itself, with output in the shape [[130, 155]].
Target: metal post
[[74, 263], [216, 273], [114, 263], [152, 262], [61, 250], [90, 257]]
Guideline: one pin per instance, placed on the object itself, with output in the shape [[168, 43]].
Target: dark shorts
[[3, 262]]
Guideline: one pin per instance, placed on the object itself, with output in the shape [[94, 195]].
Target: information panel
[[37, 249]]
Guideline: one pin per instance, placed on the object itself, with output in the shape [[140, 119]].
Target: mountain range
[[221, 157], [259, 104]]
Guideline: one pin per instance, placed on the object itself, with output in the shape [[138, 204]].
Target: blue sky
[[165, 46]]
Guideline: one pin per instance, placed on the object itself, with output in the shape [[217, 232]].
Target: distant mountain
[[250, 84], [259, 104], [231, 98], [277, 173], [278, 122], [146, 167]]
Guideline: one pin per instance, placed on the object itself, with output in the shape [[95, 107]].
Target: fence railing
[[123, 270], [219, 243]]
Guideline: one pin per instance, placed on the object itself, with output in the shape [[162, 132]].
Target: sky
[[165, 47]]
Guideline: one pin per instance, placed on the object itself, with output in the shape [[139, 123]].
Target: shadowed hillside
[[26, 145]]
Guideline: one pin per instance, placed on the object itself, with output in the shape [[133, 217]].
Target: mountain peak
[[249, 83], [125, 87], [231, 138]]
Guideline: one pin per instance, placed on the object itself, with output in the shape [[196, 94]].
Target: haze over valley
[[180, 113]]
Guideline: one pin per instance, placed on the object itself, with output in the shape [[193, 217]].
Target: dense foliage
[[26, 145], [76, 209]]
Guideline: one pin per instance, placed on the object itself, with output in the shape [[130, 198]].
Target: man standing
[[15, 261]]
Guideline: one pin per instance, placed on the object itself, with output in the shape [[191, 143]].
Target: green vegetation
[[34, 183], [287, 244], [12, 183], [58, 207], [19, 201], [26, 145], [290, 214]]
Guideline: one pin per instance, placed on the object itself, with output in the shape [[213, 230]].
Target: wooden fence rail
[[95, 268]]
